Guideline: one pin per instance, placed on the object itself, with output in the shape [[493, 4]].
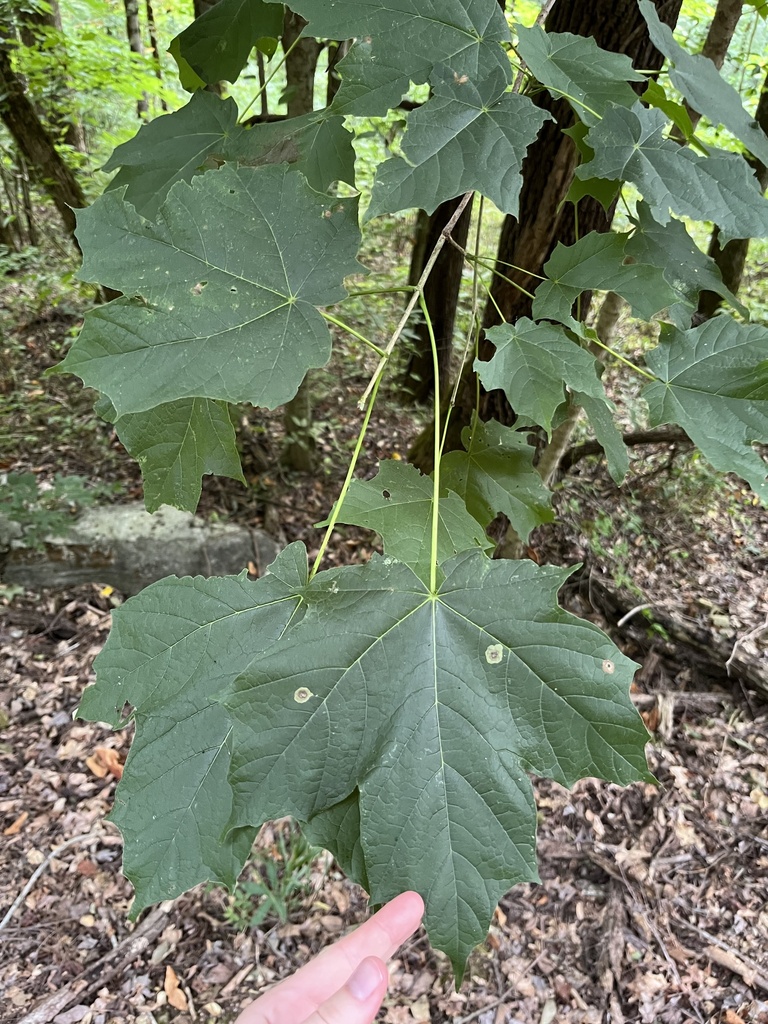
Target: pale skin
[[346, 983]]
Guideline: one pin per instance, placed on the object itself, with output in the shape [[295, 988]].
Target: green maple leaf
[[495, 474], [338, 830], [630, 145], [703, 86], [595, 262], [170, 649], [204, 134], [220, 292], [577, 68], [434, 707], [466, 138], [685, 267], [532, 364], [713, 382], [600, 414], [409, 38], [369, 87], [176, 445], [216, 46], [397, 504]]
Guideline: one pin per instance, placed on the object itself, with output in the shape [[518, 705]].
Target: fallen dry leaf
[[176, 997], [105, 761], [17, 825]]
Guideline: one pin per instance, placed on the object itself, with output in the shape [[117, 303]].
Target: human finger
[[358, 1000], [300, 995]]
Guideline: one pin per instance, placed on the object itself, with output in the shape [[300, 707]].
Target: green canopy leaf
[[713, 382], [600, 414], [467, 137], [216, 46], [532, 364], [205, 134], [338, 830], [220, 292], [411, 37], [171, 648], [397, 504], [597, 262], [495, 474], [578, 69], [686, 269], [176, 445], [630, 145], [435, 708], [703, 86]]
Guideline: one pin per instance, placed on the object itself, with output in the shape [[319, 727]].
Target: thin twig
[[88, 837], [631, 614], [444, 234], [742, 640]]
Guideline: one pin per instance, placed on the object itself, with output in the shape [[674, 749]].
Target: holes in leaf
[[233, 289], [386, 494], [197, 289]]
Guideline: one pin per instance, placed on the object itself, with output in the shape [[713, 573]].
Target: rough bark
[[731, 258], [20, 118], [544, 219], [300, 67], [441, 294], [133, 29]]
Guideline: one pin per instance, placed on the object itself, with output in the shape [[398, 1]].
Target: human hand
[[346, 983]]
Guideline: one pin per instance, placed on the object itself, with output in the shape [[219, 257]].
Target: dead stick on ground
[[90, 837]]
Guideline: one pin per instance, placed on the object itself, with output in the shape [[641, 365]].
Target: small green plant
[[45, 509], [279, 882]]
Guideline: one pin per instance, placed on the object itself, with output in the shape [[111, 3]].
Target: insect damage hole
[[494, 654], [608, 667], [302, 695]]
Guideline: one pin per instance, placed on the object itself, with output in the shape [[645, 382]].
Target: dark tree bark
[[336, 52], [300, 67], [732, 257], [152, 29], [544, 219], [20, 118], [133, 29], [441, 294]]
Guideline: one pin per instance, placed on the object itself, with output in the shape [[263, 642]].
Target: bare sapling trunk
[[136, 43]]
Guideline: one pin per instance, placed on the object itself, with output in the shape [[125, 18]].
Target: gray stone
[[126, 547]]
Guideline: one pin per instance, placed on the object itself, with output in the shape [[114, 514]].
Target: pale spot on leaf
[[608, 667], [494, 654], [302, 695]]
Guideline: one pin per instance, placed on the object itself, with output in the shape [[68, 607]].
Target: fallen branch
[[659, 435]]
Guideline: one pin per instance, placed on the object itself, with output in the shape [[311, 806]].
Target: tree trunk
[[300, 67], [732, 257], [133, 29], [152, 29], [441, 294], [34, 142], [544, 219], [44, 27]]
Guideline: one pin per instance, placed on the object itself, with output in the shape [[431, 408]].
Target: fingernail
[[365, 980]]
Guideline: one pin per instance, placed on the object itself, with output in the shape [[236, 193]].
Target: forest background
[[89, 82]]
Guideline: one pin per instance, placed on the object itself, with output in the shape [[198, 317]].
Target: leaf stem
[[418, 289], [383, 291], [471, 259], [351, 330], [334, 517], [438, 447], [271, 75], [622, 359]]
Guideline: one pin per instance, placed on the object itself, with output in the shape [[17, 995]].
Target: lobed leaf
[[220, 292], [467, 137], [532, 364], [597, 262], [630, 145], [170, 649], [397, 504], [434, 707], [575, 67], [495, 474], [713, 382], [703, 86], [205, 134], [176, 445], [217, 45]]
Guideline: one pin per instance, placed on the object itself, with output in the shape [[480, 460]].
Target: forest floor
[[653, 900]]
